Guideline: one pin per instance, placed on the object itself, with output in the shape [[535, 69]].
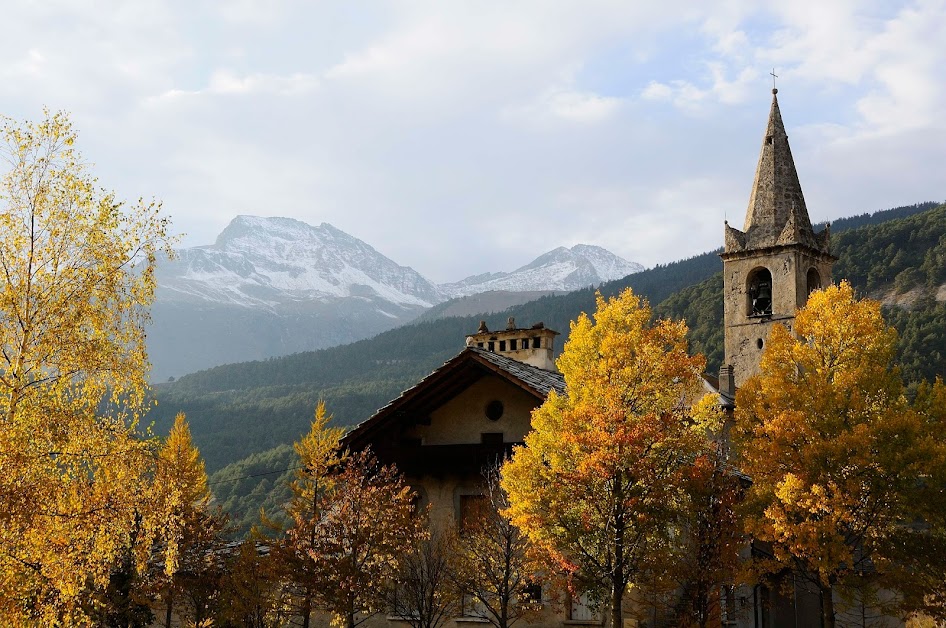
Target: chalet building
[[474, 409], [464, 417]]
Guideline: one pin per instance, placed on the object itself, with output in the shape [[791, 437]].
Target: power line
[[254, 475]]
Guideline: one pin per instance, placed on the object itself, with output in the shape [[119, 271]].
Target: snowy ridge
[[268, 261], [273, 286], [560, 269]]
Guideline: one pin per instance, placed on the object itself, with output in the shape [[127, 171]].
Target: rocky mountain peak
[[561, 269]]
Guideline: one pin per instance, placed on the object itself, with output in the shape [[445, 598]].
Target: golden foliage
[[602, 475], [182, 493], [76, 279], [835, 451], [352, 522]]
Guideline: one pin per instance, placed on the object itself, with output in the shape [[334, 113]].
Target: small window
[[512, 344], [502, 345], [536, 342], [494, 410], [768, 140], [480, 345], [814, 281], [491, 346], [531, 593]]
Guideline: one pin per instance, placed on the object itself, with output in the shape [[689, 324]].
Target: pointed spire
[[777, 213]]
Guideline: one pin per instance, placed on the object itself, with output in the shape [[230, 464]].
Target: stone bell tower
[[771, 266]]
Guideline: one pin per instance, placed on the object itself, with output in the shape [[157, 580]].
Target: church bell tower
[[771, 266]]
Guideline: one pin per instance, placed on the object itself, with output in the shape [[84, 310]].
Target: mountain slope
[[348, 374], [267, 262], [273, 286], [560, 269]]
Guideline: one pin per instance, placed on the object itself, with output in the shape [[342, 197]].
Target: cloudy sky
[[460, 137]]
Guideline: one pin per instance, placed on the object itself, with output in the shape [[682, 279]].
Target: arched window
[[759, 291], [814, 280]]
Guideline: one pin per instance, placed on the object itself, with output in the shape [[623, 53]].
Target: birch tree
[[76, 281]]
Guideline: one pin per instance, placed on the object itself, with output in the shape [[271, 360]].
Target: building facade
[[473, 410], [771, 266]]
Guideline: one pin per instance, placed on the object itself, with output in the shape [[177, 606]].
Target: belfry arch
[[759, 294], [775, 261], [813, 280]]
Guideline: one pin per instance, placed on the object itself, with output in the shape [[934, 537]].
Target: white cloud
[[565, 104], [687, 96], [420, 125], [226, 82]]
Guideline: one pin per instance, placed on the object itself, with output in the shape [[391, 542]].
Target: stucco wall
[[463, 418]]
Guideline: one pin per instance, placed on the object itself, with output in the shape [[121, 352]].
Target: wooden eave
[[453, 377]]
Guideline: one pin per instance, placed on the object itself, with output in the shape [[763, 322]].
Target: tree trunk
[[167, 614], [350, 623], [618, 575], [827, 606], [617, 595], [306, 609]]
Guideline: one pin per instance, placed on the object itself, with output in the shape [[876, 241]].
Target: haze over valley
[[274, 286]]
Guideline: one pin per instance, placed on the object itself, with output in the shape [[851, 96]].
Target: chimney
[[534, 345], [727, 385]]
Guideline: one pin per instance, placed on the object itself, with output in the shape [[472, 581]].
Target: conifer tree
[[319, 458], [189, 530]]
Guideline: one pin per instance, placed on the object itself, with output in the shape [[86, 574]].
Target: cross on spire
[[774, 76]]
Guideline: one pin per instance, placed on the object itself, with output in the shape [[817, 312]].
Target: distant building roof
[[450, 379]]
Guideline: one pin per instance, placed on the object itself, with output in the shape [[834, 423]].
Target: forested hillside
[[256, 406], [238, 409], [901, 262]]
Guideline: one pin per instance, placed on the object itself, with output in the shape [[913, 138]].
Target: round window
[[494, 410]]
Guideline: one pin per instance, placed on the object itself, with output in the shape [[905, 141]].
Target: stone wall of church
[[792, 269]]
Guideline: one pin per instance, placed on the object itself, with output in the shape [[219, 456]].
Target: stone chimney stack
[[534, 345], [727, 385]]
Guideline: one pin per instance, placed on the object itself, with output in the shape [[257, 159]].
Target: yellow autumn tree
[[76, 280], [352, 523], [836, 454], [188, 530], [319, 457], [600, 480]]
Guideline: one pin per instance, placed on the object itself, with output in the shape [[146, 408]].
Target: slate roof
[[540, 380], [453, 376]]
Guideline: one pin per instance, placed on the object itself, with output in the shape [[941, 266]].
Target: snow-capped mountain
[[561, 269], [267, 262], [274, 286]]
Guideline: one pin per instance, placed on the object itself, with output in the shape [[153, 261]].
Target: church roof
[[777, 214], [455, 375]]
